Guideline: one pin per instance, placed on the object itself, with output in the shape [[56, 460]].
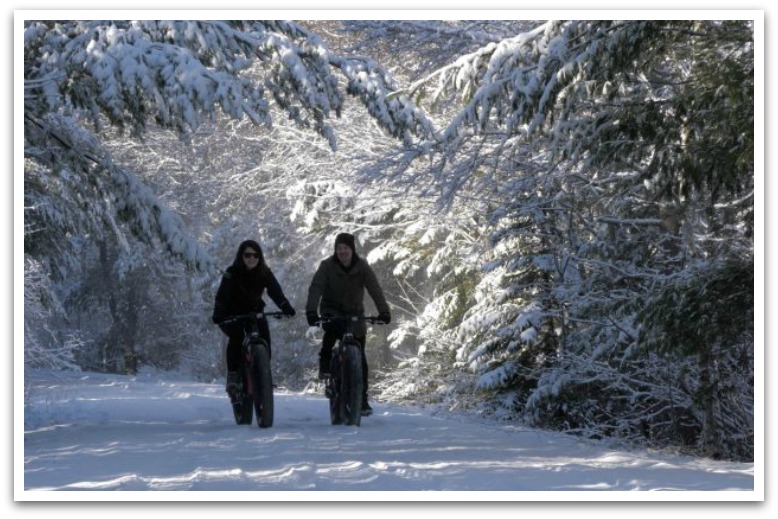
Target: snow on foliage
[[580, 134], [536, 251], [44, 346], [177, 74]]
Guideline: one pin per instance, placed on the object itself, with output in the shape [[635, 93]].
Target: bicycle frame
[[251, 338], [256, 377], [344, 388]]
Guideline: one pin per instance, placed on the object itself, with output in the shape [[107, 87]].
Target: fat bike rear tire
[[262, 382]]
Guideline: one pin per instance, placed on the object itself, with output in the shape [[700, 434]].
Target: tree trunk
[[130, 326], [711, 438]]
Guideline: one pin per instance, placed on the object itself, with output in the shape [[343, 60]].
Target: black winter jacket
[[337, 292], [240, 292]]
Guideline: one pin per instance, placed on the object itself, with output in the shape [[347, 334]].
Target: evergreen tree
[[177, 74], [574, 249], [621, 160]]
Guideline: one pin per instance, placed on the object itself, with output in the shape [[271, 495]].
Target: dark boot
[[366, 409], [324, 364], [329, 390], [324, 371], [233, 383]]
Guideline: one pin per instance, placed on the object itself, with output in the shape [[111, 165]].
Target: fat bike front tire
[[243, 409], [332, 389], [262, 382], [351, 387]]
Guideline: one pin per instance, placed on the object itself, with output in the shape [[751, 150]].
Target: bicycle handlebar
[[254, 315], [372, 319]]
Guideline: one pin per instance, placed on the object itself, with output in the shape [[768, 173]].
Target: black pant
[[235, 344], [325, 356]]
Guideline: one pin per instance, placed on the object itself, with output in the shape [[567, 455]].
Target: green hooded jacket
[[337, 292]]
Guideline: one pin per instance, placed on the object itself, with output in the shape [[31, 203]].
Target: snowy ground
[[92, 432]]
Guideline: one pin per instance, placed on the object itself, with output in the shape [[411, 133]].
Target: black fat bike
[[344, 385], [254, 392]]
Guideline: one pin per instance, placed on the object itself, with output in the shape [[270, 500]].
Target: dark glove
[[385, 317], [312, 317], [287, 309]]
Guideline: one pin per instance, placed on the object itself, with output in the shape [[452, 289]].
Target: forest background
[[574, 253]]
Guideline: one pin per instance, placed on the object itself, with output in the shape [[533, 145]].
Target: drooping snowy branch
[[607, 93], [179, 75], [179, 72]]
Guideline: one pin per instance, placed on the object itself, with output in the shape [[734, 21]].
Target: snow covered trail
[[105, 432]]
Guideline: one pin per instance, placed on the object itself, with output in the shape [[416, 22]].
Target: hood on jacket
[[346, 239]]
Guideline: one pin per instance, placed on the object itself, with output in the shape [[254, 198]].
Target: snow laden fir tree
[[562, 212], [91, 84], [620, 156]]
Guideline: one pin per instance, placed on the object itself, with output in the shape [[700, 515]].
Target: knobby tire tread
[[336, 371], [351, 389], [263, 385]]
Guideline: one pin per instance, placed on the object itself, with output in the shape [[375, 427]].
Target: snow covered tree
[[612, 93], [590, 178], [177, 74], [620, 159], [708, 312], [45, 346], [82, 76]]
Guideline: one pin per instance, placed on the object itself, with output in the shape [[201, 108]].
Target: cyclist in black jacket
[[240, 292]]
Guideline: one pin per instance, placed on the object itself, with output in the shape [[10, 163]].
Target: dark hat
[[347, 239]]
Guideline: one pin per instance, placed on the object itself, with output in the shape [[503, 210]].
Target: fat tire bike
[[344, 386], [254, 392]]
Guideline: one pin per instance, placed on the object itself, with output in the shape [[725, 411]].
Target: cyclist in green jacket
[[337, 290]]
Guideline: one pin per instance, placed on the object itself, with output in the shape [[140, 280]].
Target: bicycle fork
[[248, 361]]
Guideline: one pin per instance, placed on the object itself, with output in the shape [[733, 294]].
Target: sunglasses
[[248, 255]]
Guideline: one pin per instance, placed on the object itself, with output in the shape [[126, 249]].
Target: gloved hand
[[312, 317], [287, 309], [385, 317]]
